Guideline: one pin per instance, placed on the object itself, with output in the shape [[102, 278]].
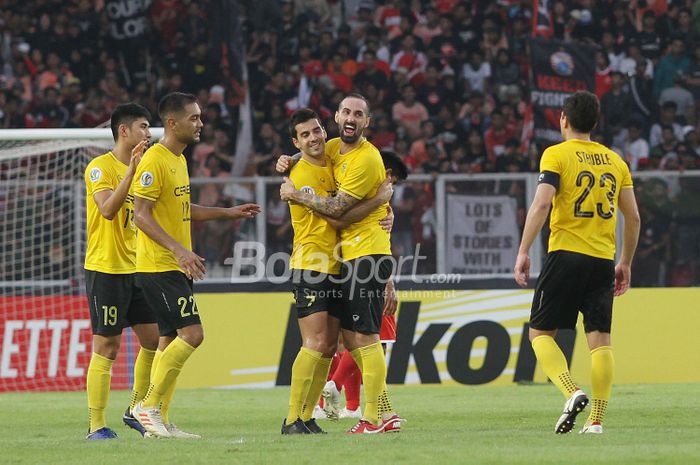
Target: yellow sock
[[374, 379], [99, 378], [554, 364], [357, 356], [165, 401], [319, 380], [302, 375], [142, 375], [602, 368], [169, 366], [386, 410]]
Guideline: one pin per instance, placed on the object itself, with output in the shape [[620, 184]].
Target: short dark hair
[[581, 109], [394, 163], [127, 113], [302, 115], [174, 102], [361, 97]]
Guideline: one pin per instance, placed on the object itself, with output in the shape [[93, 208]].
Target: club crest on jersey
[[146, 179], [95, 174], [308, 190]]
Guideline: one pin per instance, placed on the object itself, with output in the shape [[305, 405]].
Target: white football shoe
[[331, 400], [592, 428], [573, 406], [177, 433], [345, 413], [318, 413]]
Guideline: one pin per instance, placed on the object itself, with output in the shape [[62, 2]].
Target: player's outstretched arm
[[110, 201], [362, 209], [623, 271], [246, 210], [191, 263], [536, 216], [331, 206]]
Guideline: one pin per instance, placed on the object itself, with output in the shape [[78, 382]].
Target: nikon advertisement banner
[[450, 337]]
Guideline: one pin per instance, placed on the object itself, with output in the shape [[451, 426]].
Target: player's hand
[[246, 210], [284, 162], [287, 189], [136, 154], [388, 221], [391, 301], [522, 270], [191, 263], [385, 190], [623, 275]]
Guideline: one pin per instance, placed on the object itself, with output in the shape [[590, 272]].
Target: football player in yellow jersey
[[366, 251], [165, 263], [110, 264], [584, 183], [315, 270]]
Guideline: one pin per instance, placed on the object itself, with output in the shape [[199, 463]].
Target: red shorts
[[387, 332]]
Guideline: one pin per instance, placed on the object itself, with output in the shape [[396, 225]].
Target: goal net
[[44, 322]]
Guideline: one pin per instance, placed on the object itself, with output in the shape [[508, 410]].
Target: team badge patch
[[95, 174], [308, 190], [146, 179]]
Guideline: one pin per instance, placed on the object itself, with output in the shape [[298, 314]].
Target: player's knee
[[106, 346], [193, 335]]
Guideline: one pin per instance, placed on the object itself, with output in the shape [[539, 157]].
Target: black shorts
[[170, 294], [571, 282], [316, 292], [115, 303], [363, 280]]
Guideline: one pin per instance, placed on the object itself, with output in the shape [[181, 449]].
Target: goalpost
[[44, 321]]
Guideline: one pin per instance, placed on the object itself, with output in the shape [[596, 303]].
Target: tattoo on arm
[[331, 206]]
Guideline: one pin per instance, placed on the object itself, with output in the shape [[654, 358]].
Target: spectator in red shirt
[[497, 135]]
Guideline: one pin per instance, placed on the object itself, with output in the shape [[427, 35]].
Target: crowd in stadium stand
[[447, 81]]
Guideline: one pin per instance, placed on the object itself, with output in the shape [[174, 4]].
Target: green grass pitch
[[445, 425]]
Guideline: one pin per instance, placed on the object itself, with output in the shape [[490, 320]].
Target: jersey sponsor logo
[[95, 174], [562, 63], [146, 179], [181, 190], [308, 190]]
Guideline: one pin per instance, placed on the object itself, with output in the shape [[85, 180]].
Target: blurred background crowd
[[447, 81]]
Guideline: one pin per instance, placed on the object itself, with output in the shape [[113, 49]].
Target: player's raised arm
[[190, 262], [536, 216], [628, 207], [110, 201], [286, 162]]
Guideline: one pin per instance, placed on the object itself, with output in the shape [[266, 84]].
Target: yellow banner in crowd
[[451, 337]]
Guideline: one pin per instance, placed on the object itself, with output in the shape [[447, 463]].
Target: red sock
[[352, 389]]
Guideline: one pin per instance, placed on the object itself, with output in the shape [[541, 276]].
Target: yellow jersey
[[359, 174], [111, 244], [314, 238], [162, 178], [584, 208]]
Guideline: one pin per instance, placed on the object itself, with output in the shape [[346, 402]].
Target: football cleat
[[131, 422], [392, 424], [345, 413], [331, 400], [365, 427], [319, 414], [150, 419], [102, 433], [298, 427], [312, 426], [592, 428], [177, 433], [573, 406]]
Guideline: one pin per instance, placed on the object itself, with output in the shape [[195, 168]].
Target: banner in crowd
[[46, 345], [482, 234], [128, 19], [443, 337], [558, 70]]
